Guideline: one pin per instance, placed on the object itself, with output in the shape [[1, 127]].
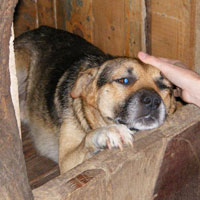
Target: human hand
[[176, 72]]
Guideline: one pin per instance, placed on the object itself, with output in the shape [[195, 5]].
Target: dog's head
[[126, 91]]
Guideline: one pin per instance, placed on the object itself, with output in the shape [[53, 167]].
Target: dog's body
[[78, 100]]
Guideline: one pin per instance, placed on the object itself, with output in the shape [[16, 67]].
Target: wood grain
[[39, 168], [134, 28], [46, 13], [173, 29], [179, 172], [161, 165], [79, 19], [25, 18], [13, 178]]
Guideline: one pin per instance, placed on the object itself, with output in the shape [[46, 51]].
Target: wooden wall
[[116, 26], [173, 25], [122, 27], [13, 177]]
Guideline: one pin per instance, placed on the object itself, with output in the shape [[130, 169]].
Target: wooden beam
[[156, 167], [46, 13], [25, 16], [173, 29], [79, 19], [13, 178], [197, 37]]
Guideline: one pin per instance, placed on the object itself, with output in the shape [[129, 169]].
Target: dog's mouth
[[143, 110], [145, 122]]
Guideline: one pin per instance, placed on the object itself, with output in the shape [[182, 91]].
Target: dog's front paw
[[112, 136]]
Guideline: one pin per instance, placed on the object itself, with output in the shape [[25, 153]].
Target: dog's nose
[[150, 99]]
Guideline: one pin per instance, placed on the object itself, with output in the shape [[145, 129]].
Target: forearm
[[194, 92]]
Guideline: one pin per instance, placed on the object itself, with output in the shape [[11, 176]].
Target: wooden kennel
[[164, 163]]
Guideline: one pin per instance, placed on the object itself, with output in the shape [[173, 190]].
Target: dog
[[77, 100]]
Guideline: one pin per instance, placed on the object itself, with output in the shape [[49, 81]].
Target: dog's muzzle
[[142, 110]]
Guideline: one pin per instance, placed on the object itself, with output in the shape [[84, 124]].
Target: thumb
[[146, 58]]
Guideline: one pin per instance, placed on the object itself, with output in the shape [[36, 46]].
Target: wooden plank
[[109, 23], [39, 169], [197, 37], [61, 14], [25, 18], [134, 26], [119, 31], [116, 31], [13, 178], [134, 173], [77, 16], [179, 173], [46, 13], [172, 29]]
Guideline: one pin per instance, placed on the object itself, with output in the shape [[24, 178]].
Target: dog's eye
[[125, 81]]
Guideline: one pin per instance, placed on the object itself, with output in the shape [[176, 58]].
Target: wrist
[[195, 92]]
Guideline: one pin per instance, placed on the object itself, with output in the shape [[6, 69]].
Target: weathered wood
[[109, 25], [46, 13], [13, 81], [61, 14], [122, 27], [25, 18], [140, 172], [173, 29], [117, 31], [197, 37], [39, 169], [180, 170], [134, 29], [79, 19], [13, 178]]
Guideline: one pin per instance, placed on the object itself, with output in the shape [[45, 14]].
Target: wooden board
[[46, 13], [122, 27], [78, 18], [109, 26], [39, 169], [117, 31], [13, 178], [163, 164], [115, 26], [173, 29], [25, 18], [179, 172], [197, 37]]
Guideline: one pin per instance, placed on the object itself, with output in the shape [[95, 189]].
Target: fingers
[[178, 92], [159, 63], [179, 76], [174, 62]]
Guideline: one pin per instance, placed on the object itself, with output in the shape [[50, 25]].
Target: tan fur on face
[[114, 93]]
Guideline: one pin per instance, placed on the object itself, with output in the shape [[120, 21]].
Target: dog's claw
[[108, 144], [120, 147], [113, 136], [131, 143]]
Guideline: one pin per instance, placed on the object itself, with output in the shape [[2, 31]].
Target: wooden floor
[[39, 169]]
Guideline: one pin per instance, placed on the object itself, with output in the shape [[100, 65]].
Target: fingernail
[[142, 55]]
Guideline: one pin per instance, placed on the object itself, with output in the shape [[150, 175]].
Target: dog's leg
[[76, 146], [71, 145], [109, 136]]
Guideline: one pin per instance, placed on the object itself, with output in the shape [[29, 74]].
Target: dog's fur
[[78, 100]]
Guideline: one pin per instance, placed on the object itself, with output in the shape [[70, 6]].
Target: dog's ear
[[83, 83]]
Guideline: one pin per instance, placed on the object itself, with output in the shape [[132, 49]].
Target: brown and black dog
[[78, 100]]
